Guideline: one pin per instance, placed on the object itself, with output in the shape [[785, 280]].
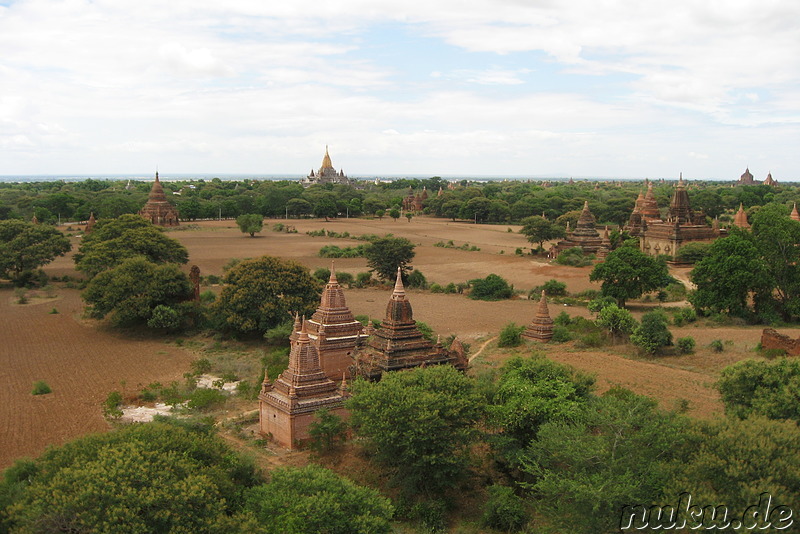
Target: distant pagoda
[[541, 326], [158, 210], [585, 235], [334, 331], [398, 344], [326, 174], [90, 224], [770, 181], [746, 178], [288, 405], [740, 219]]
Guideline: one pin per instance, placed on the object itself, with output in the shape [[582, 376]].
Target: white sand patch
[[208, 381], [144, 414]]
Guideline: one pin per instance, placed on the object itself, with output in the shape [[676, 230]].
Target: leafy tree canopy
[[628, 273], [261, 293], [132, 290], [155, 477], [27, 246], [538, 229], [250, 223], [420, 424], [768, 389], [312, 499], [115, 240], [386, 254], [653, 332], [493, 287]]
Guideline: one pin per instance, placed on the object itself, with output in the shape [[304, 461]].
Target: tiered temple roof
[[585, 235], [541, 327], [157, 209], [326, 174], [769, 180], [334, 331], [746, 178], [399, 344], [287, 405]]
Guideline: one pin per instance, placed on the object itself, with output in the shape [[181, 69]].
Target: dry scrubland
[[83, 361]]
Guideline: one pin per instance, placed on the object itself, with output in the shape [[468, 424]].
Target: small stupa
[[157, 209], [740, 219], [794, 215], [90, 224], [541, 327]]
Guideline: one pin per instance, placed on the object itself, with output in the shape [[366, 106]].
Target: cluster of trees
[[498, 202], [24, 247], [754, 274], [561, 453]]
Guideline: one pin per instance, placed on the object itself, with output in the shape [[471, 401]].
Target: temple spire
[[399, 292]]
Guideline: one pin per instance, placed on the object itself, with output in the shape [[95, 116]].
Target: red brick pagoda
[[334, 331], [398, 344], [288, 405], [541, 327], [158, 210]]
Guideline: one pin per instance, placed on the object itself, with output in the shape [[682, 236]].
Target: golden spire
[[326, 161]]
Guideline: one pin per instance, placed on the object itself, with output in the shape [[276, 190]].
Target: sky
[[518, 88]]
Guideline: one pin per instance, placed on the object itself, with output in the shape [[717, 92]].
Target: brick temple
[[585, 236], [288, 406], [398, 344], [334, 331], [157, 209], [326, 174], [682, 225]]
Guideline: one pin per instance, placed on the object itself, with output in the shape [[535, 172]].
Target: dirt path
[[480, 350]]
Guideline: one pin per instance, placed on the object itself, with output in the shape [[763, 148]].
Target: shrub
[[22, 295], [493, 287], [322, 274], [363, 279], [561, 334], [417, 280], [207, 297], [685, 345], [552, 288], [201, 366], [279, 335], [562, 319], [652, 333], [450, 288], [345, 278], [574, 257], [518, 251], [510, 335], [204, 399], [111, 405], [504, 510], [436, 288], [326, 430], [54, 311], [165, 318], [717, 345], [40, 387], [598, 304]]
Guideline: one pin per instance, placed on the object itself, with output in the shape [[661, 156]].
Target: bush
[[326, 430], [561, 334], [279, 335], [652, 333], [201, 366], [363, 279], [40, 387], [504, 510], [562, 319], [598, 304], [685, 345], [510, 335], [165, 318], [551, 288], [682, 316], [322, 274], [345, 278], [207, 297], [111, 405], [417, 280], [574, 257], [204, 399], [717, 345], [436, 288], [493, 287]]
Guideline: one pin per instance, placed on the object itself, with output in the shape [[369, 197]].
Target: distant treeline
[[492, 202]]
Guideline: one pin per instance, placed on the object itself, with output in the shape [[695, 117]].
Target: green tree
[[386, 254], [325, 206], [510, 335], [618, 453], [115, 240], [726, 466], [311, 499], [493, 287], [326, 430], [420, 424], [776, 235], [618, 321], [250, 223], [26, 246], [768, 389], [726, 276], [628, 273], [154, 477], [653, 332], [260, 293], [394, 213], [534, 391], [298, 207], [538, 230], [132, 290]]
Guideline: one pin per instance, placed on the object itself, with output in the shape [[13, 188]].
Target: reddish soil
[[80, 362]]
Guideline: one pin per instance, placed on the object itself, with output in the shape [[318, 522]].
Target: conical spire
[[541, 327], [543, 310], [740, 219], [399, 292], [795, 215]]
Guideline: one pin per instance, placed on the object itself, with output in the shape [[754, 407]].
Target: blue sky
[[619, 89]]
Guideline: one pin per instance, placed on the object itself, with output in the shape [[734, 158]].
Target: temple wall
[[772, 339], [334, 362]]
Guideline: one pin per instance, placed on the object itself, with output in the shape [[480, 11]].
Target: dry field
[[83, 362]]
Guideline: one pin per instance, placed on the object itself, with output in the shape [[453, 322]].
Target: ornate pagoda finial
[[399, 289]]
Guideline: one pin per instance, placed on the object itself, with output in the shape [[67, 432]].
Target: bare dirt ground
[[82, 362]]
